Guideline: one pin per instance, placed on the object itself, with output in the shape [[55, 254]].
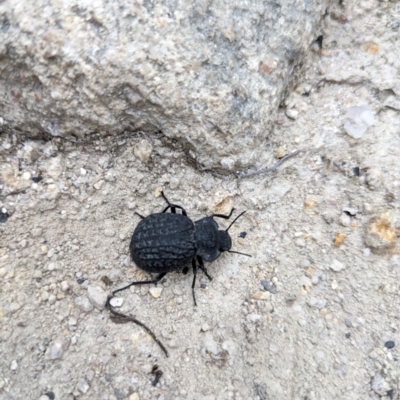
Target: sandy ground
[[322, 230]]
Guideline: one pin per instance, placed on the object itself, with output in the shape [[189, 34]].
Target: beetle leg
[[203, 268], [224, 216], [141, 216], [194, 279], [159, 277], [173, 207]]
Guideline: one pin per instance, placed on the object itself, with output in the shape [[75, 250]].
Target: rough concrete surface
[[210, 74], [314, 314]]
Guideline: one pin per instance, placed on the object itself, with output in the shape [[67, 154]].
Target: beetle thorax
[[225, 241]]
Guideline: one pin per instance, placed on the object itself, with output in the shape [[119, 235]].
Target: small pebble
[[268, 286], [336, 266], [349, 323], [155, 292], [379, 384], [210, 344], [261, 295], [50, 395], [14, 365], [98, 184], [54, 352], [255, 317], [83, 386], [227, 163], [119, 394], [116, 301], [44, 397], [389, 344], [205, 327], [158, 191], [339, 239], [358, 119], [90, 375], [143, 150], [292, 113], [45, 296], [374, 178], [26, 176], [97, 296], [134, 396]]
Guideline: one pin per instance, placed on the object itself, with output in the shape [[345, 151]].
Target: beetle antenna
[[237, 252], [226, 230]]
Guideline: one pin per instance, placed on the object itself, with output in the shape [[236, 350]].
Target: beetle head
[[224, 240]]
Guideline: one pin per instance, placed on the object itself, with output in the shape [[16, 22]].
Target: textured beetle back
[[163, 243]]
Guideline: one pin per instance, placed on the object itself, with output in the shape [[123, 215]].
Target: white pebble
[[14, 306], [45, 296], [127, 261], [26, 176], [155, 292], [345, 220], [358, 119], [14, 365], [143, 150], [83, 171], [83, 386], [52, 299], [109, 232], [367, 252], [97, 296], [255, 317], [227, 163], [116, 301], [50, 253], [99, 184], [84, 304], [54, 352], [210, 344], [336, 266], [292, 113], [205, 327], [64, 286]]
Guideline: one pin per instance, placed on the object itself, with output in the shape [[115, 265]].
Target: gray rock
[[210, 74], [84, 304], [56, 350], [379, 385], [83, 386], [97, 296]]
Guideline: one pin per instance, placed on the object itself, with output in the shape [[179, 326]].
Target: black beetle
[[163, 243]]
